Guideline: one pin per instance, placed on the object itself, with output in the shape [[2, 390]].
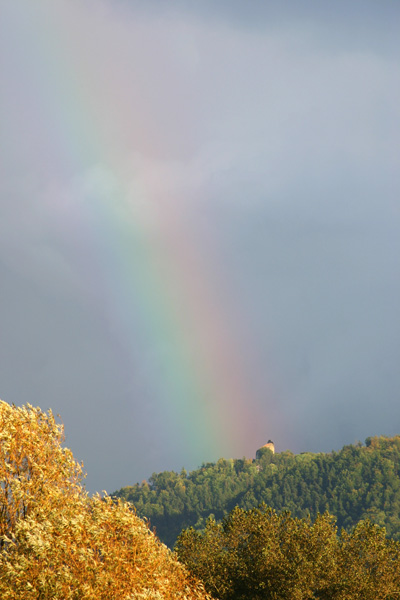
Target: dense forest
[[356, 483]]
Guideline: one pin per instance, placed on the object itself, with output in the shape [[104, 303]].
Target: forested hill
[[358, 482]]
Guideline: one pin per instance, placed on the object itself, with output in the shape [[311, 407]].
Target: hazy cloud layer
[[269, 137]]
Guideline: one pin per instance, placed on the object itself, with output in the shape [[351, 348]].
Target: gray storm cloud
[[276, 131]]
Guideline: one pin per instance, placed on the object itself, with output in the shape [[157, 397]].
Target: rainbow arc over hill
[[146, 265]]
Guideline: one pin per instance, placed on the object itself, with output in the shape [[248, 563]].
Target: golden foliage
[[32, 463], [259, 554], [60, 544]]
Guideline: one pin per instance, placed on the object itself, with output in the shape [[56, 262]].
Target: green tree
[[259, 554]]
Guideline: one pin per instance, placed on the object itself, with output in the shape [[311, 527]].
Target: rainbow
[[147, 264]]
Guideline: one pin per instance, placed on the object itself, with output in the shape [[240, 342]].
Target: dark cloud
[[363, 24]]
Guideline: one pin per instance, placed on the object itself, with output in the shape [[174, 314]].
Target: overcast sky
[[200, 226]]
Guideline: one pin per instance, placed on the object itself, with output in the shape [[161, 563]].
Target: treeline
[[358, 482]]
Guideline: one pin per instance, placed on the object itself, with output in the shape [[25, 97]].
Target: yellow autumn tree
[[32, 464], [57, 543]]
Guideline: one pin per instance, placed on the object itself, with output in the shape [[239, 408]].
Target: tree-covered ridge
[[358, 482]]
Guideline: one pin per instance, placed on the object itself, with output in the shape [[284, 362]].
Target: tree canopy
[[57, 543], [259, 554]]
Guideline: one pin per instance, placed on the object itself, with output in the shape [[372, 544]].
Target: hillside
[[358, 482]]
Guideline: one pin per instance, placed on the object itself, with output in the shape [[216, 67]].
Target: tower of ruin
[[270, 445]]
